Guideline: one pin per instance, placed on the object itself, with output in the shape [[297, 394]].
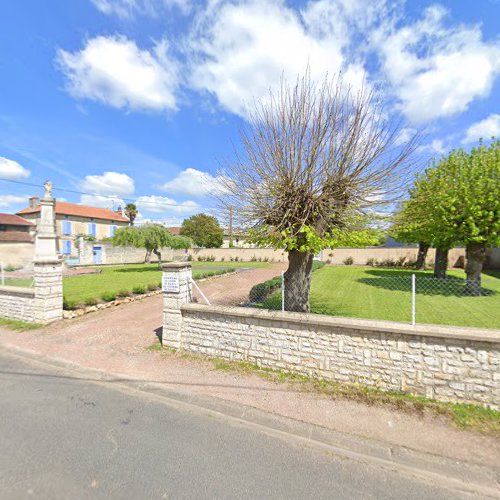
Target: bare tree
[[314, 158]]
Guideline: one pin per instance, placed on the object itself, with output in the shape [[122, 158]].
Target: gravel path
[[115, 341]]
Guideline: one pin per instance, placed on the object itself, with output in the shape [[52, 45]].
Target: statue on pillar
[[48, 189]]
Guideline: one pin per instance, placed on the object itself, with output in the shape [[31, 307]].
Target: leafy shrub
[[69, 305], [387, 263], [317, 264], [348, 261], [190, 258], [108, 296], [152, 287], [139, 289], [401, 261], [266, 259], [222, 259], [123, 293], [91, 301], [236, 259], [9, 268], [253, 259], [371, 262]]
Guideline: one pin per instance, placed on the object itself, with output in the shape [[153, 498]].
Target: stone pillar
[[176, 286], [47, 264]]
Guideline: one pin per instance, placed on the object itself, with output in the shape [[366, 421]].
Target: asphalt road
[[65, 436]]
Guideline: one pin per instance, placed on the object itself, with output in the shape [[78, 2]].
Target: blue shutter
[[91, 229], [112, 230], [66, 228], [67, 247]]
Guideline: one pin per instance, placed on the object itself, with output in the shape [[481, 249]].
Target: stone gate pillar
[[176, 286], [47, 263]]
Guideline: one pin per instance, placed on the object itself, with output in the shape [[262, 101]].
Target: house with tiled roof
[[73, 221], [14, 228]]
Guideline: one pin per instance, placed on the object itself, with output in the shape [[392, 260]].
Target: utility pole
[[230, 226]]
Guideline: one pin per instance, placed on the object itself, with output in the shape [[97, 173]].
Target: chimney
[[119, 210], [34, 202]]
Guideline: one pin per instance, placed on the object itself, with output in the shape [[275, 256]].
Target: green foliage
[[456, 201], [139, 289], [348, 261], [204, 230], [152, 237], [131, 212], [108, 296], [90, 301]]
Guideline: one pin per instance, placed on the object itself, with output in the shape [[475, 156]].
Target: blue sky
[[139, 99]]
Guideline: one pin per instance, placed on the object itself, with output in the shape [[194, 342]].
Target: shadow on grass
[[492, 273], [426, 285]]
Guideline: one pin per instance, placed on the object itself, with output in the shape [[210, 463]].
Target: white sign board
[[171, 282]]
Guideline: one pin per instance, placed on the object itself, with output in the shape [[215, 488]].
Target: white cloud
[[192, 182], [162, 204], [109, 183], [240, 50], [127, 9], [487, 128], [435, 147], [7, 200], [10, 169], [436, 71], [95, 200], [116, 72]]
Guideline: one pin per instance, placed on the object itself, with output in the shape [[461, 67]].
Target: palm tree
[[131, 212]]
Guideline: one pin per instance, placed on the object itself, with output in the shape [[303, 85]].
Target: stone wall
[[242, 254], [445, 363], [360, 256], [115, 255], [17, 303], [16, 254]]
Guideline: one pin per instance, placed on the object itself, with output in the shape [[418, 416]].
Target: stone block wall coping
[[47, 260], [175, 265], [319, 320], [18, 291]]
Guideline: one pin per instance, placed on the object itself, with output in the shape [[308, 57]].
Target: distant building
[[14, 228], [73, 220]]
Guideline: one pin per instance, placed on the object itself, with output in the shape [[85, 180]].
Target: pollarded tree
[[314, 157], [204, 230], [152, 237]]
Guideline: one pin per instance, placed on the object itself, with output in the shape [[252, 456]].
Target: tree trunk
[[298, 281], [158, 254], [147, 258], [423, 248], [475, 255], [441, 263]]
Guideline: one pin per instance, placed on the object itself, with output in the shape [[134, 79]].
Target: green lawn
[[115, 279], [374, 293]]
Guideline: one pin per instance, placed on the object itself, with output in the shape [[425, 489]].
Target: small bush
[[401, 261], [190, 258], [69, 305], [152, 287], [317, 264], [253, 259], [90, 301], [139, 289], [266, 259], [222, 259], [9, 268], [231, 258], [236, 259], [348, 261], [388, 263], [123, 293], [371, 262], [108, 296]]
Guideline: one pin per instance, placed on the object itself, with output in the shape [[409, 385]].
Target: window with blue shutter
[[112, 231], [91, 229], [67, 247], [66, 227]]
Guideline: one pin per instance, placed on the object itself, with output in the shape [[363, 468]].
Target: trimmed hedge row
[[261, 291]]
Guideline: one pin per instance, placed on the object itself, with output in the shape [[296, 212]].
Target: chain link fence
[[412, 298]]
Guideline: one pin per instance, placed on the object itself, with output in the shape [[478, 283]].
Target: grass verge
[[463, 416], [18, 326]]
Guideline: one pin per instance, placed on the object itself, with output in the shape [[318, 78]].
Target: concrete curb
[[455, 475]]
